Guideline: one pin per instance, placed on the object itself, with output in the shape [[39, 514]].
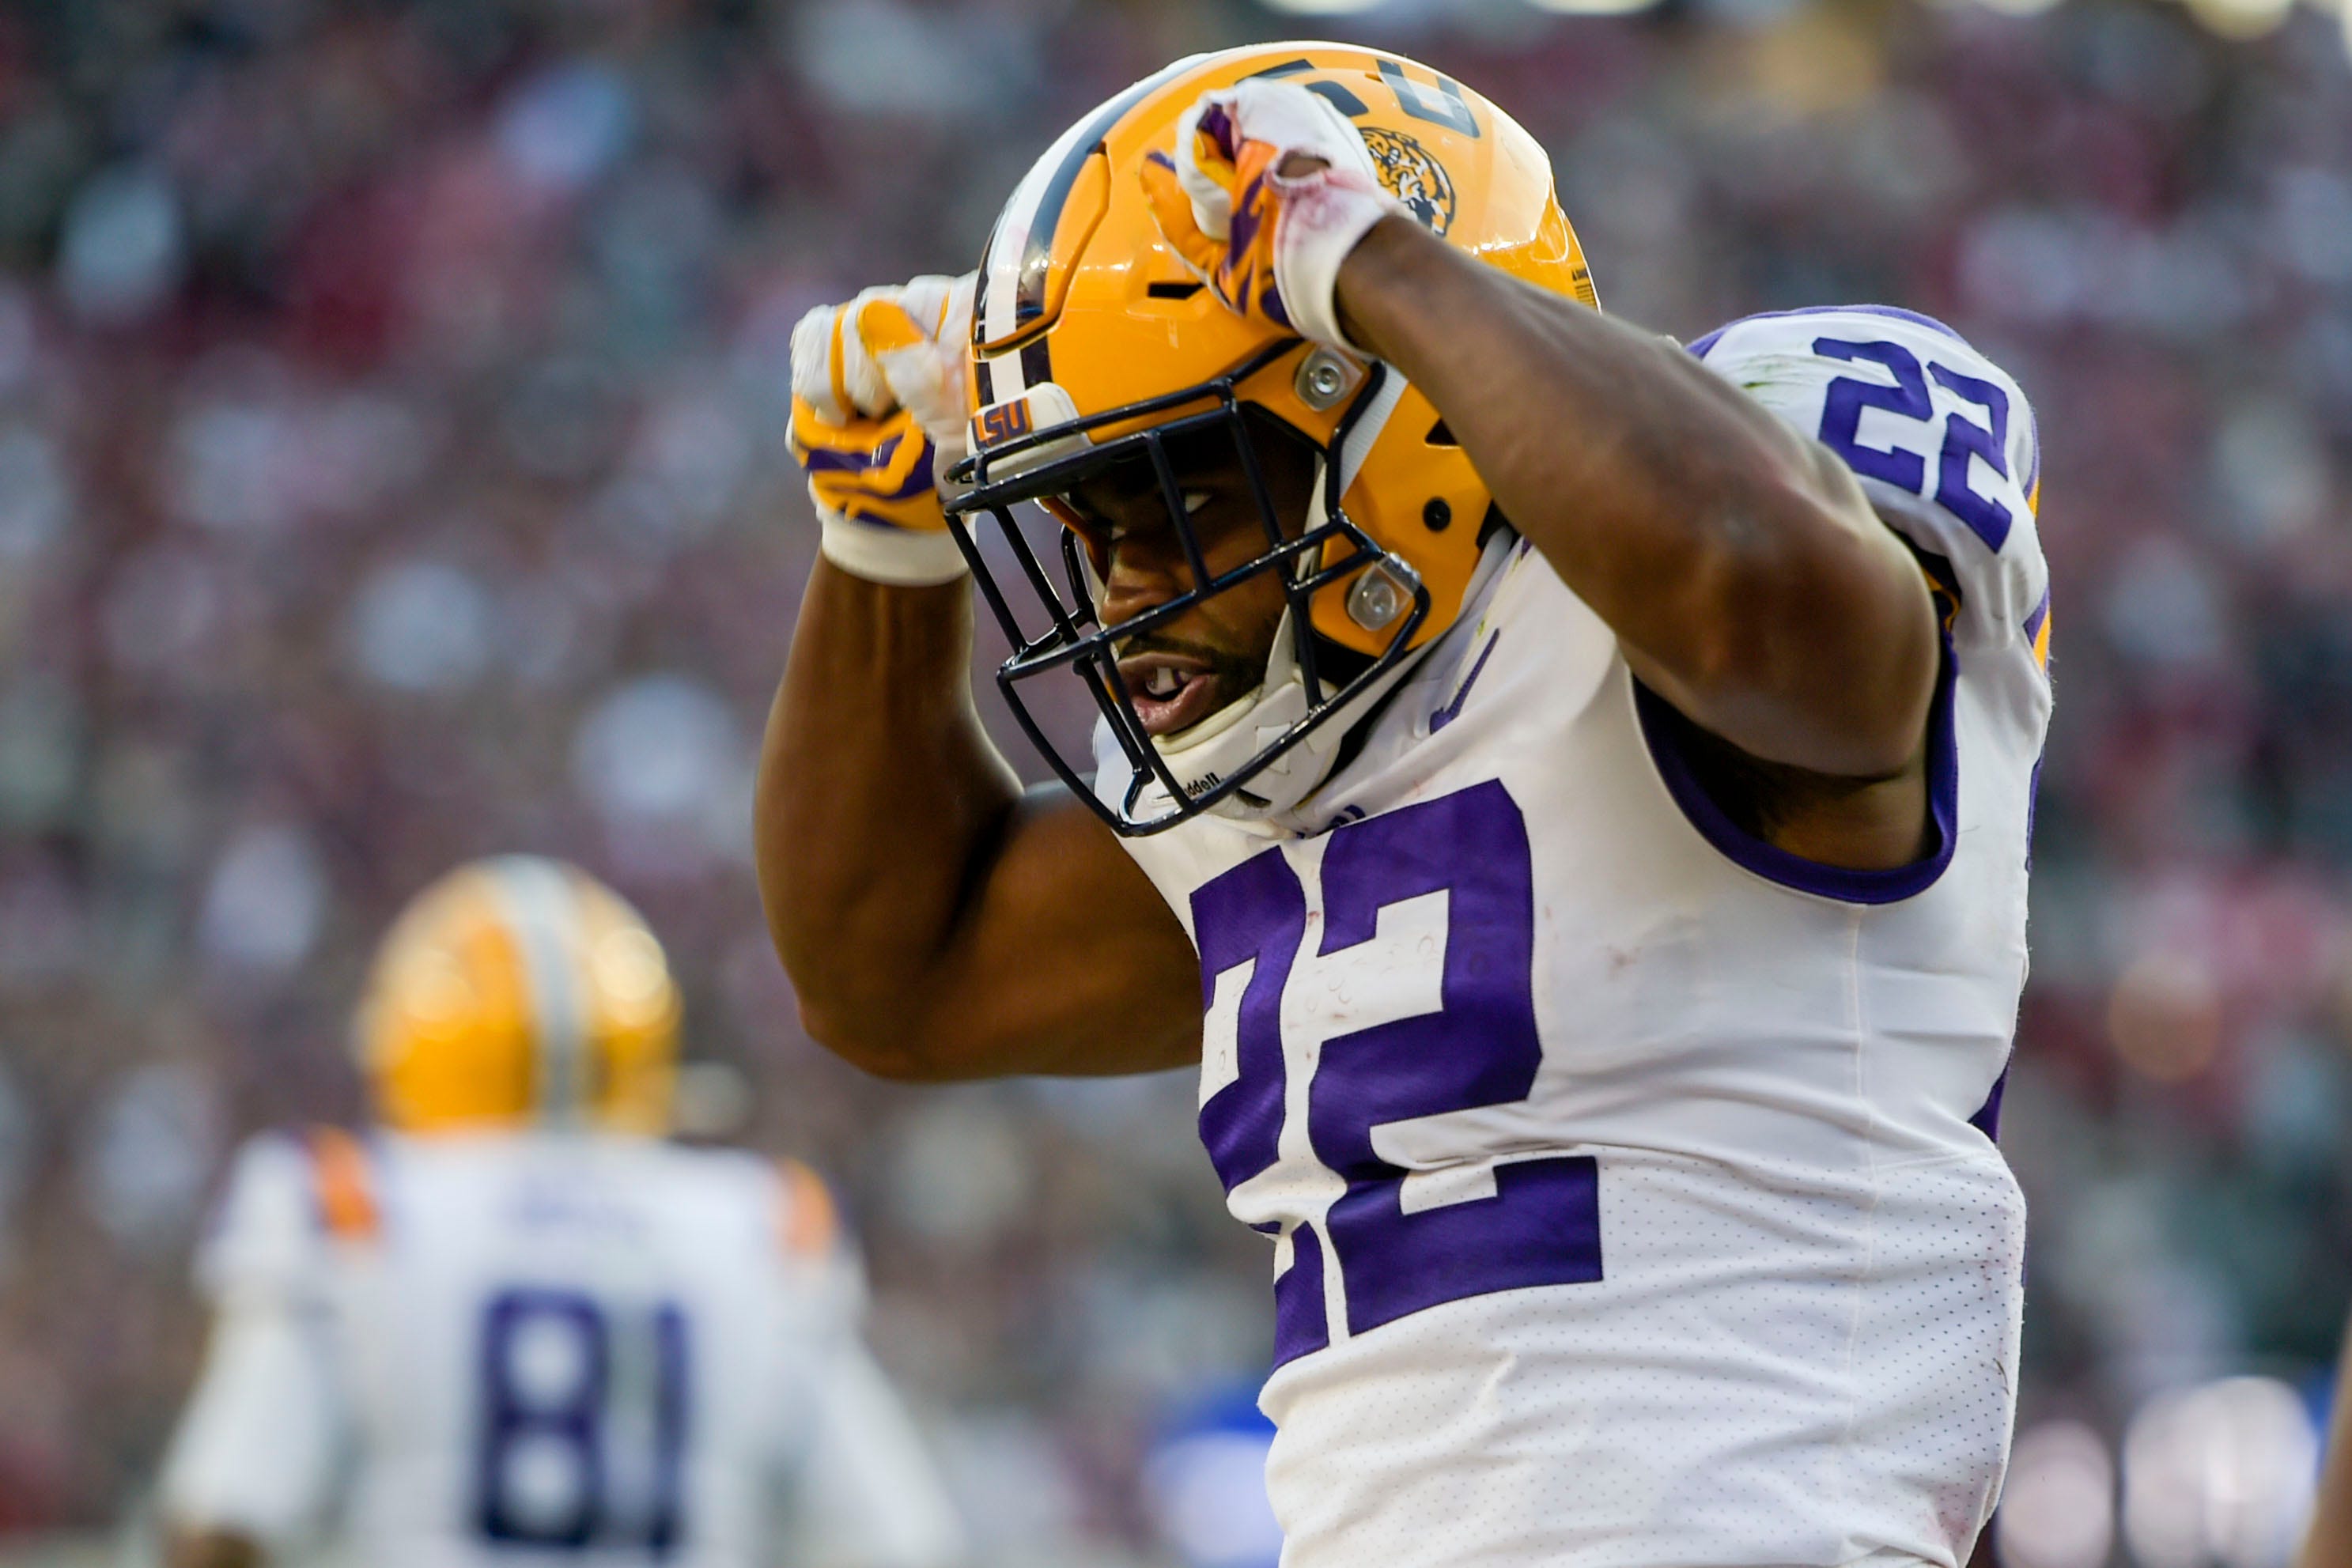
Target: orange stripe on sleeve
[[810, 1223], [345, 1184]]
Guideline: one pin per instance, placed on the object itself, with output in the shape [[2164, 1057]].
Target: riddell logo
[[1196, 788], [999, 423]]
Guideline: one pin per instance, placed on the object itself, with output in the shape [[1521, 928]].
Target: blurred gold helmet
[[1093, 343], [520, 991]]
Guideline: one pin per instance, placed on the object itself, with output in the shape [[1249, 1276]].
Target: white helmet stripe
[[543, 913], [1000, 284], [1015, 261], [1367, 427], [1357, 445]]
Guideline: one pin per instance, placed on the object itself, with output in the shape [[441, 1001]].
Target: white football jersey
[[1631, 1182], [538, 1347]]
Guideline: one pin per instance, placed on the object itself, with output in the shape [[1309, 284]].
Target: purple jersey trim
[[1300, 1327], [2032, 809], [1987, 1117], [1453, 710], [1702, 346], [2035, 617], [1659, 719], [2033, 451]]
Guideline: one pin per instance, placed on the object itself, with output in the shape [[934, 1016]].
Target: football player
[[514, 1320], [1568, 791]]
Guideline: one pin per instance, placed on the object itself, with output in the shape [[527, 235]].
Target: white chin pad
[[1281, 664], [1214, 749]]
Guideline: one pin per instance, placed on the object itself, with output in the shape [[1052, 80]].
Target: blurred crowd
[[390, 472]]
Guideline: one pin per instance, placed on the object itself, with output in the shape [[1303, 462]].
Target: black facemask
[[1062, 631]]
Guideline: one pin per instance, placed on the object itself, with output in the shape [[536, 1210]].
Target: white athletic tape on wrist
[[1324, 217], [878, 553]]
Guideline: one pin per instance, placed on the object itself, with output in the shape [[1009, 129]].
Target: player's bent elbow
[[188, 1546], [858, 1042], [885, 1043], [900, 1067]]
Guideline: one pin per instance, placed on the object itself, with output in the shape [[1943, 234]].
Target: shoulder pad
[[343, 1184], [808, 1221], [1943, 440], [265, 1237]]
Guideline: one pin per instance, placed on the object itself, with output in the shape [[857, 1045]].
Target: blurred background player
[[515, 1318]]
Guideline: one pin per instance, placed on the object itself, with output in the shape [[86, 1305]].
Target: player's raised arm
[[1740, 565], [937, 922]]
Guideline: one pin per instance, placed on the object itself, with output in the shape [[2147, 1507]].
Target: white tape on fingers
[[927, 378], [1212, 205], [861, 377], [926, 299], [831, 372], [812, 337], [955, 323], [1291, 119], [1324, 216]]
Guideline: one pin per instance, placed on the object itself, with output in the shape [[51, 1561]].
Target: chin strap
[[1227, 739], [1212, 749]]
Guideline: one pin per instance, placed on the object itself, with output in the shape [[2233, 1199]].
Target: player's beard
[[1228, 677]]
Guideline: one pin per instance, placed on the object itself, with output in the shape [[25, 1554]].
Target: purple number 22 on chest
[[1540, 1221]]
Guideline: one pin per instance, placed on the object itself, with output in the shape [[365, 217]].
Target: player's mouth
[[1171, 691]]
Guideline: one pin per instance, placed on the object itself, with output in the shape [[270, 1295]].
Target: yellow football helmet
[[520, 991], [1093, 343]]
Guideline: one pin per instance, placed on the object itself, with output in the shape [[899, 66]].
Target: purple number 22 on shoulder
[[1848, 398]]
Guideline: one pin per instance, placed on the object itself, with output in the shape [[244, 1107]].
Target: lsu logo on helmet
[[999, 423]]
